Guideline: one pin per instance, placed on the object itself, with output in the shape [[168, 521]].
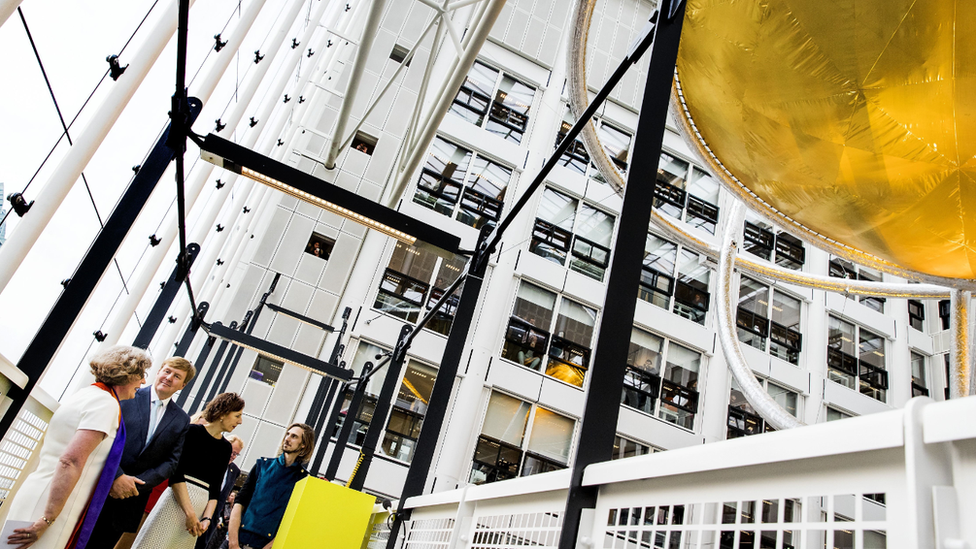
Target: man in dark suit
[[154, 430]]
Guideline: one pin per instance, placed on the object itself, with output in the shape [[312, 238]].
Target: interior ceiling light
[[279, 353], [330, 197]]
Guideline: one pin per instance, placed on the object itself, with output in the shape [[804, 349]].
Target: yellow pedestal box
[[322, 514]]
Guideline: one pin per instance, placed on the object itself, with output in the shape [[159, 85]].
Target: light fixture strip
[[325, 204]]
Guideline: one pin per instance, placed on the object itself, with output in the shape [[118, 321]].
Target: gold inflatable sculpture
[[855, 119]]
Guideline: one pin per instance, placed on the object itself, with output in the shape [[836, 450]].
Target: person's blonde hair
[[234, 438], [117, 365], [180, 363]]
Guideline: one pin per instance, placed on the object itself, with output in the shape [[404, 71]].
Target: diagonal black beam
[[281, 353], [234, 157], [170, 289], [602, 408], [300, 317], [59, 321]]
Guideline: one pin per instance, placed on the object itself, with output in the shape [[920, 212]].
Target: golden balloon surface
[[854, 118]]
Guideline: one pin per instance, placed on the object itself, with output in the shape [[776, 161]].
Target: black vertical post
[[164, 300], [201, 360], [197, 400], [351, 413], [59, 321], [191, 330], [247, 328], [600, 412], [440, 394], [327, 383], [223, 371], [381, 412], [325, 422]]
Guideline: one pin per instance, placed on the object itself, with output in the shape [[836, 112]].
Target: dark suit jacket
[[152, 463], [230, 477]]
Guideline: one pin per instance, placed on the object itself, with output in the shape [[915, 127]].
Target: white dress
[[91, 409]]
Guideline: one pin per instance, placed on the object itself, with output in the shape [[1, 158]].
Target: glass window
[[471, 102], [591, 245], [679, 390], [553, 229], [919, 383], [686, 193], [569, 353], [863, 369], [414, 281], [266, 370], [667, 273], [616, 143], [506, 418], [506, 450], [916, 315], [407, 415], [834, 414], [494, 101], [365, 352], [549, 442], [576, 158], [842, 268], [744, 420], [454, 179], [752, 321], [320, 246], [565, 341], [624, 448], [642, 380]]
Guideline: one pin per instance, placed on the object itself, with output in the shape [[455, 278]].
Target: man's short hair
[[234, 438], [308, 441], [180, 363]]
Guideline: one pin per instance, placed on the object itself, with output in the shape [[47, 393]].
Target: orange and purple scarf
[[86, 523]]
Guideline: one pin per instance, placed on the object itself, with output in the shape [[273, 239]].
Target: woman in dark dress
[[191, 499]]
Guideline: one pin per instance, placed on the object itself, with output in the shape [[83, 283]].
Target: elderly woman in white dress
[[64, 495]]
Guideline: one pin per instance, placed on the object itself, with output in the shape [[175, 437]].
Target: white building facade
[[520, 389]]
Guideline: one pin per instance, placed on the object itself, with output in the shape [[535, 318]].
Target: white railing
[[18, 448], [905, 478]]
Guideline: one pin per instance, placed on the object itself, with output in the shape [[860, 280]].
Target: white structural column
[[960, 375], [49, 198], [478, 36], [7, 7], [139, 285], [358, 68], [764, 404]]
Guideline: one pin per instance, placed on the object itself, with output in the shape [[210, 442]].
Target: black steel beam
[[170, 289], [234, 157], [59, 321], [201, 360], [211, 372], [602, 406], [281, 353], [381, 412], [191, 331], [346, 430], [300, 317]]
